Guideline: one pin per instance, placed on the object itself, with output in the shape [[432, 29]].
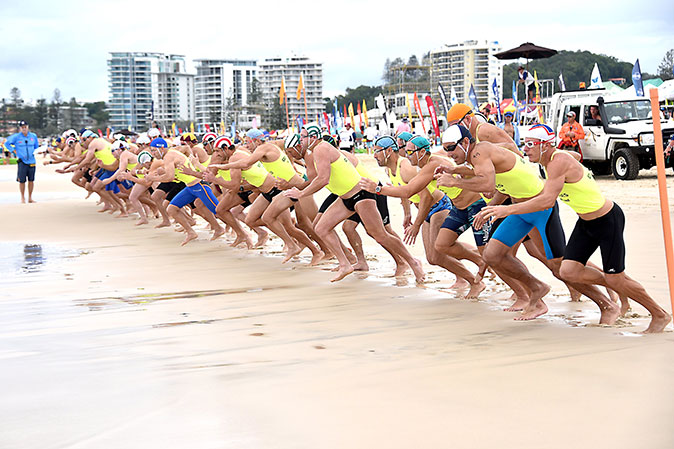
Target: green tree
[[356, 97], [666, 67], [15, 95], [97, 111]]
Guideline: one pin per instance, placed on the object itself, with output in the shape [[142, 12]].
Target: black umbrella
[[528, 51], [126, 132]]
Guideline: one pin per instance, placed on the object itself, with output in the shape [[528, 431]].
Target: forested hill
[[576, 66]]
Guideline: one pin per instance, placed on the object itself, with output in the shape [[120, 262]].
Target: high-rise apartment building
[[272, 70], [222, 86], [470, 62], [149, 86]]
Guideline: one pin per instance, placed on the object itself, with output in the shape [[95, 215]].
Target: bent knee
[[570, 271]]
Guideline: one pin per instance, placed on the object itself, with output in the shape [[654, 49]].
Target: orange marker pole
[[662, 186]]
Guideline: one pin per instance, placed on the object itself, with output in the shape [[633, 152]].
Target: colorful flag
[[100, 133], [353, 122], [497, 95], [360, 116], [107, 132], [282, 91], [344, 115], [417, 106], [335, 114], [367, 122], [443, 97], [539, 109], [595, 78], [453, 98], [409, 108], [192, 127], [300, 86], [434, 117], [636, 79], [233, 130], [180, 130], [222, 127], [173, 129], [327, 121], [300, 121], [473, 97], [560, 82]]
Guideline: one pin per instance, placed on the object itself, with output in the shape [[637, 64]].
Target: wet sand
[[115, 336]]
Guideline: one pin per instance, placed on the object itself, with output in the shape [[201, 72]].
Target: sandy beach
[[115, 336]]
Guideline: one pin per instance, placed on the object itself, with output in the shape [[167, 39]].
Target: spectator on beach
[[509, 126], [571, 133], [24, 143], [347, 138], [527, 79], [404, 126]]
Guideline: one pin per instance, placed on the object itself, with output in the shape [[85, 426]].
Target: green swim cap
[[405, 136], [421, 143]]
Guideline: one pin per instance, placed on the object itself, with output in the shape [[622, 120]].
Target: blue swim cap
[[88, 133], [159, 143], [386, 142], [421, 143], [255, 133], [405, 136]]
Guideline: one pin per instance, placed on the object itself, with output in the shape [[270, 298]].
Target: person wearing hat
[[404, 126], [496, 168], [526, 78], [462, 114], [600, 224], [571, 133], [509, 126], [347, 138], [23, 144]]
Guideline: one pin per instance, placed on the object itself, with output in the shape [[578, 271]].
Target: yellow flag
[[300, 86], [367, 122], [282, 91], [222, 127], [409, 108], [353, 122], [192, 127], [173, 129]]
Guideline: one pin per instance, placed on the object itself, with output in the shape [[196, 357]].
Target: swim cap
[[458, 111], [405, 136], [88, 133], [55, 141], [209, 138], [223, 143], [69, 133], [188, 137], [143, 139], [144, 156], [292, 140], [119, 145], [153, 132], [386, 142], [159, 143], [421, 143], [540, 132], [255, 133], [509, 110], [70, 141], [456, 133], [328, 138], [313, 130]]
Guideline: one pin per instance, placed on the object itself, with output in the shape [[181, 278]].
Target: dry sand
[[117, 337]]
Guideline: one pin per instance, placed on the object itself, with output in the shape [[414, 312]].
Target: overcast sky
[[46, 45]]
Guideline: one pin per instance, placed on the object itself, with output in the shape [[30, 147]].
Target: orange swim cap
[[458, 111]]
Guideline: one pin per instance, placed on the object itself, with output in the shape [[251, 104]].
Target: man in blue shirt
[[24, 144]]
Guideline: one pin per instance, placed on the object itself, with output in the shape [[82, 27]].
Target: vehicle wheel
[[625, 164], [601, 168]]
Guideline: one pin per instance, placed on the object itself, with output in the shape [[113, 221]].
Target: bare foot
[[349, 255], [610, 314], [142, 221], [658, 323], [462, 283], [23, 201], [481, 269], [519, 305], [241, 239], [122, 214], [163, 224], [418, 270], [262, 237], [317, 258], [105, 209], [475, 290], [88, 195], [31, 200], [624, 305], [292, 252], [218, 232], [401, 270], [190, 236], [535, 309], [342, 273], [361, 266]]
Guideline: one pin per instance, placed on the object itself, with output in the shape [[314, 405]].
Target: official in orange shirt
[[571, 133]]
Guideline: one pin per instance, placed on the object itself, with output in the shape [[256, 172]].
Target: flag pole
[[287, 121], [662, 187]]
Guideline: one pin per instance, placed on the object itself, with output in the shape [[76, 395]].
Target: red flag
[[180, 130], [100, 133], [417, 106], [208, 128], [344, 121], [327, 121], [107, 132], [434, 118], [360, 116]]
